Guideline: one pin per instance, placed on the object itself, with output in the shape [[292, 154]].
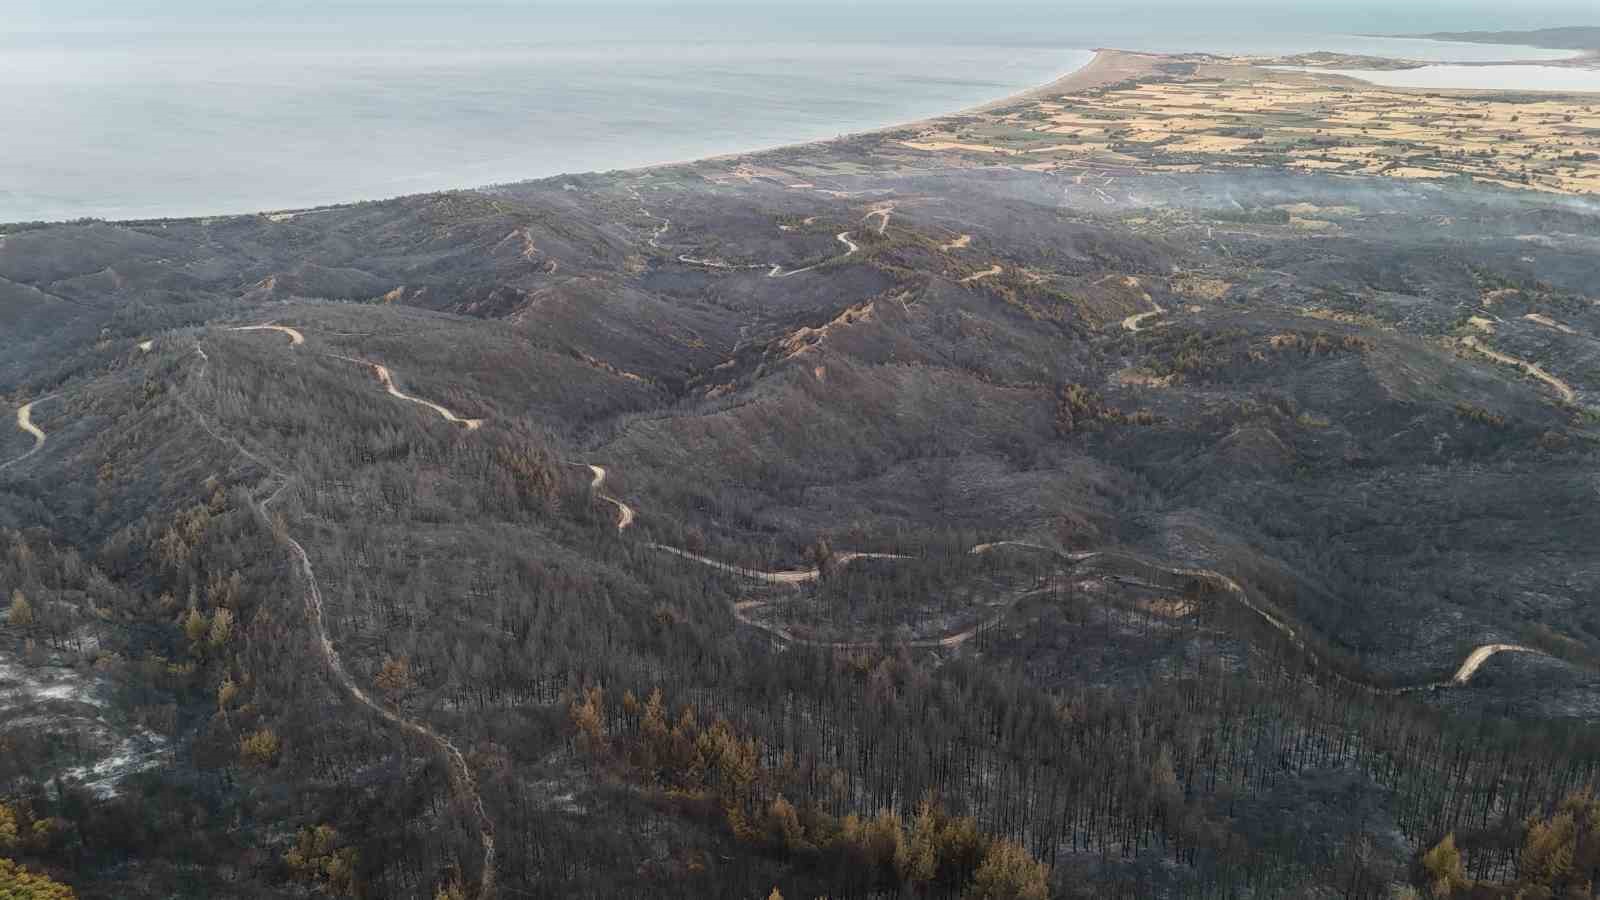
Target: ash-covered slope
[[1189, 491]]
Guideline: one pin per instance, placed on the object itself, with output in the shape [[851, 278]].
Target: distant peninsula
[[1578, 37]]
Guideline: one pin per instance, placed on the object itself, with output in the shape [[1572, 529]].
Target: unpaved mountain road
[[295, 337], [625, 512], [793, 576], [1463, 675], [1534, 369], [774, 270], [1481, 655], [882, 214], [947, 642], [979, 276], [387, 378], [25, 422], [461, 778], [1132, 322], [1548, 322]]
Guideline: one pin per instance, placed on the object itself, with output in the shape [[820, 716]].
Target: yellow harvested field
[[1230, 113], [1200, 287], [1207, 144], [957, 145]]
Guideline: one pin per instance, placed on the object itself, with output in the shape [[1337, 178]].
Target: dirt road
[[295, 337], [625, 512], [1561, 387], [1132, 322], [774, 270], [461, 778], [1478, 657], [1548, 322], [801, 576], [794, 576], [986, 273], [25, 422], [387, 378], [950, 641], [882, 213], [842, 237]]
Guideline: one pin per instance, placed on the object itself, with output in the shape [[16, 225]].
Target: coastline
[[1107, 66], [1104, 67]]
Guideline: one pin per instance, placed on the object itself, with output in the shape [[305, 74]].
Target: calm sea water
[[190, 115]]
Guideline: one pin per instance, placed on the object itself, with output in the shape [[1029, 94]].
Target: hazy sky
[[878, 18]]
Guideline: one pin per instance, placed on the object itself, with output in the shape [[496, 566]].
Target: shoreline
[[1106, 66]]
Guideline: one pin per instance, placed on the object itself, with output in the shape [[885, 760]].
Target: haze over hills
[[1179, 480], [1565, 38]]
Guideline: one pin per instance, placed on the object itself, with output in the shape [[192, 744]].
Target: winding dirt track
[[1548, 322], [986, 273], [1534, 369], [25, 422], [774, 270], [792, 576], [1132, 322], [1481, 655], [882, 213], [949, 641], [387, 378], [1463, 674], [461, 778], [625, 512], [295, 337]]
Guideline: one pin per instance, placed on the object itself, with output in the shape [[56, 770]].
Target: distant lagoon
[[133, 123], [1510, 78]]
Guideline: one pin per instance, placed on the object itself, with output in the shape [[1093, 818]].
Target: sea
[[121, 111]]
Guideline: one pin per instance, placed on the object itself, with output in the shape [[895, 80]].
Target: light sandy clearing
[[960, 243], [295, 337], [986, 273], [146, 346]]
